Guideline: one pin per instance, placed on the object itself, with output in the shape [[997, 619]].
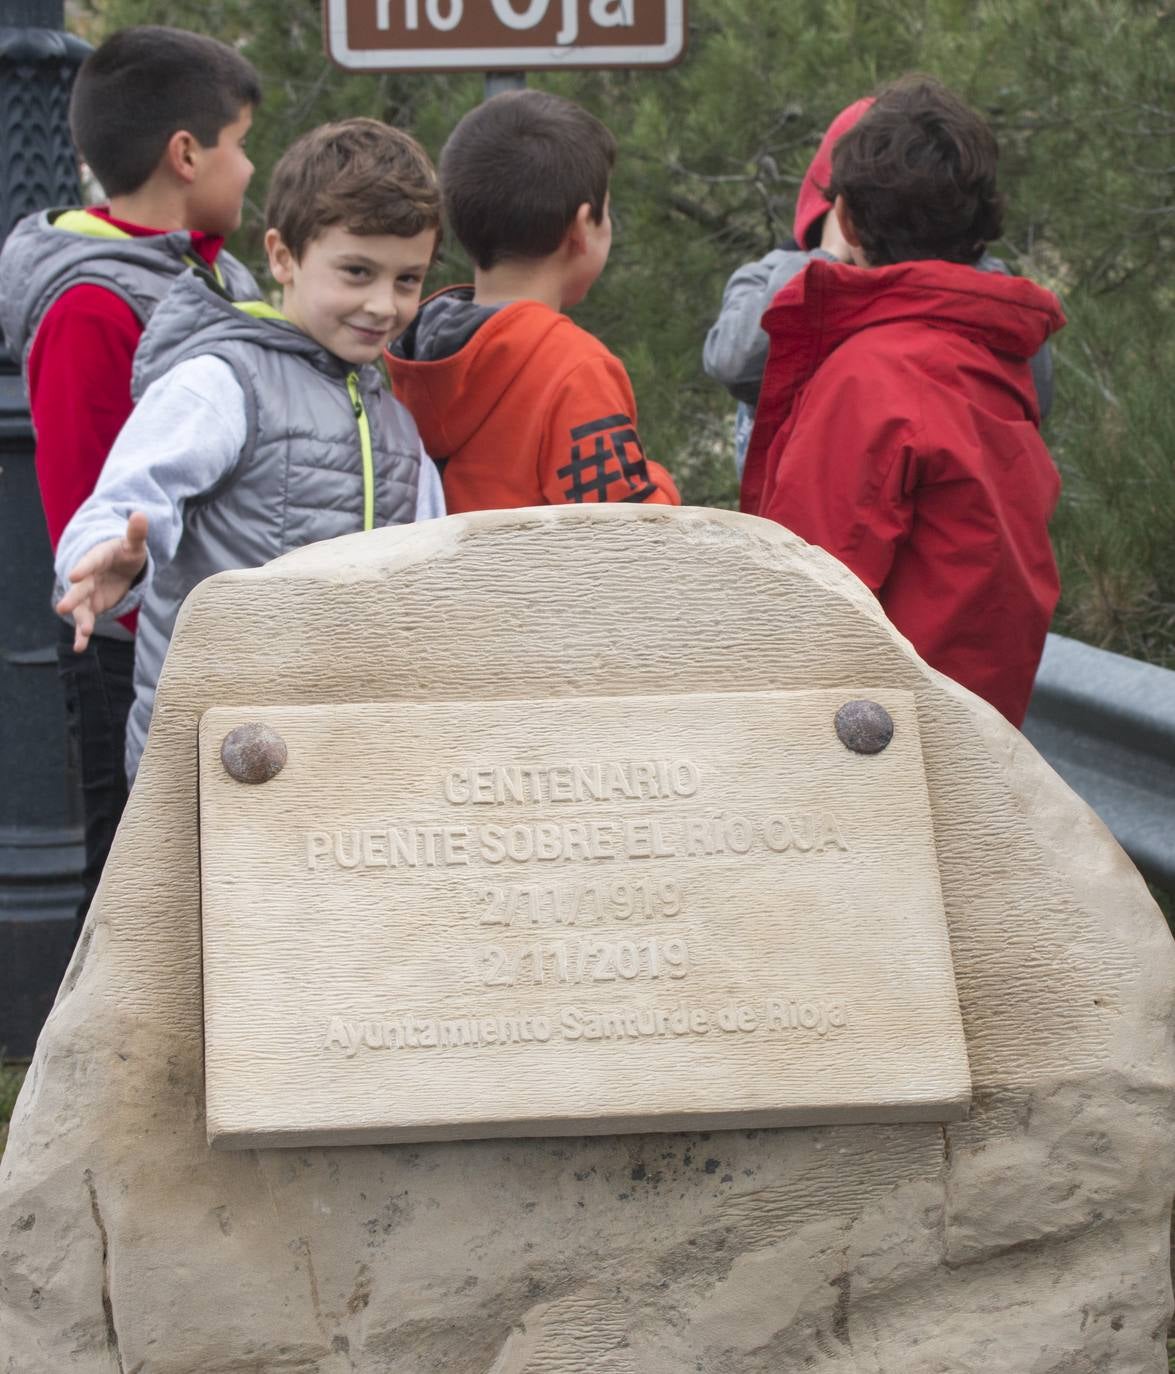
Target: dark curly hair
[[918, 176]]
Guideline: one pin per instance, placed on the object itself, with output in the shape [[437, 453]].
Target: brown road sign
[[502, 35]]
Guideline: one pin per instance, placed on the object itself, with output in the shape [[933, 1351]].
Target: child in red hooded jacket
[[898, 424], [735, 351]]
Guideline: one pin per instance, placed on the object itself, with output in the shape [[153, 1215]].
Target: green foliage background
[[712, 152]]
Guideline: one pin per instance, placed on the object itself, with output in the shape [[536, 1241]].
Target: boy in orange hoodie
[[517, 405]]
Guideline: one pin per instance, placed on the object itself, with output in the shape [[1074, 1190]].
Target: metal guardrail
[[1107, 725]]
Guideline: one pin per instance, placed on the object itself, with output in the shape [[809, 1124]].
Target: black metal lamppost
[[40, 816]]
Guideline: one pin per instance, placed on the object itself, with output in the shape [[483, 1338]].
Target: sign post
[[502, 35], [497, 82]]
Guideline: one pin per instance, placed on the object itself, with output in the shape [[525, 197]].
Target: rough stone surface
[[1031, 1237]]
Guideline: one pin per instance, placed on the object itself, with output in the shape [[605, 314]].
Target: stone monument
[[591, 939]]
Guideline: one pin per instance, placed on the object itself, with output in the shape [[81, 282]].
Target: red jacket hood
[[811, 203], [829, 302]]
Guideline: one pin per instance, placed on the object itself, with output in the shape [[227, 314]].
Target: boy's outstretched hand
[[103, 577]]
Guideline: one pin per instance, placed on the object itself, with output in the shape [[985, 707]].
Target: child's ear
[[849, 232], [281, 260], [847, 227], [576, 238], [181, 155]]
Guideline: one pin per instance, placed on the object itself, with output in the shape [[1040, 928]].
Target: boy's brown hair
[[918, 175], [145, 84], [359, 173], [516, 170]]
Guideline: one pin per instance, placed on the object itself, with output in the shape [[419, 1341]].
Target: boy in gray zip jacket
[[161, 116], [260, 430]]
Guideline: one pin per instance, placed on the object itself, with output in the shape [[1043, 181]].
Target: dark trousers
[[99, 688]]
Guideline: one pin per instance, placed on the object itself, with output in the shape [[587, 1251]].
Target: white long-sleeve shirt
[[184, 437]]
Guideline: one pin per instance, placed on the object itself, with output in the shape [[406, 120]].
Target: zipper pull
[[353, 392]]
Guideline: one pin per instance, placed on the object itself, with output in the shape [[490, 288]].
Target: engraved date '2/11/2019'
[[578, 904], [581, 961]]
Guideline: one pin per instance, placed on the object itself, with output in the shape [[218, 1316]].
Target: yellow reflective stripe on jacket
[[260, 310], [82, 222], [365, 446]]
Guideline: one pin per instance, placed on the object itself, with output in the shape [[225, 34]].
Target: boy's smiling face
[[352, 293]]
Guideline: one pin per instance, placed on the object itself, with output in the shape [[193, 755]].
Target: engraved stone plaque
[[572, 916]]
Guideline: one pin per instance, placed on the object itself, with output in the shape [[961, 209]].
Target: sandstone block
[[1031, 1235]]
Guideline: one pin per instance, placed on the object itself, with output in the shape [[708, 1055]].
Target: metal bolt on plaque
[[253, 753], [864, 726]]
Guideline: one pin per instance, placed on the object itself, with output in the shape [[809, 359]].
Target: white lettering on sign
[[786, 1015], [444, 22], [612, 14], [549, 841], [533, 14], [579, 904], [500, 784], [445, 15], [498, 843], [577, 961], [606, 13], [442, 19]]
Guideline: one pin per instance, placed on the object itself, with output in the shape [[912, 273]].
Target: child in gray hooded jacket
[[161, 116], [259, 430]]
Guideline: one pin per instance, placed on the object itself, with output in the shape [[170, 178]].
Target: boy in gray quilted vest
[[260, 430], [161, 116]]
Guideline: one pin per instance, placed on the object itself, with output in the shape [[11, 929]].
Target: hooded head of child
[[812, 204], [353, 221]]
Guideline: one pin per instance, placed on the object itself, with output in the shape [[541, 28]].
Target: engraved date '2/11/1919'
[[579, 904], [581, 961]]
